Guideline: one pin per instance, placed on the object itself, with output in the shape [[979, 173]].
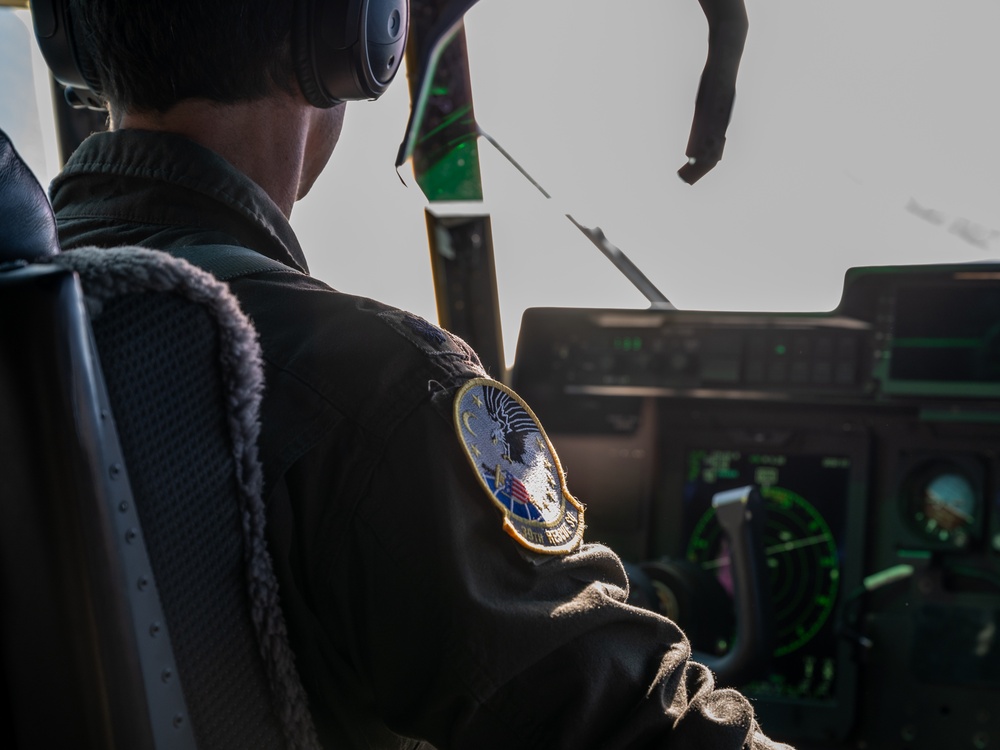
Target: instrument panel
[[873, 434]]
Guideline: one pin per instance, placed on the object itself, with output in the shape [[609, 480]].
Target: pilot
[[433, 568]]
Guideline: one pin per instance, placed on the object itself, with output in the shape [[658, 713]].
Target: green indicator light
[[915, 554], [628, 343], [836, 463], [780, 349]]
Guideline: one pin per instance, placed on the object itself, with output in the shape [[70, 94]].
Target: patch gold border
[[508, 526]]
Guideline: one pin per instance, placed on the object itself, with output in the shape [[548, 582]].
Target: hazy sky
[[864, 132], [847, 113]]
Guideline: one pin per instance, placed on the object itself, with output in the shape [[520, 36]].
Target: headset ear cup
[[345, 50], [385, 32], [65, 48], [86, 63], [303, 54]]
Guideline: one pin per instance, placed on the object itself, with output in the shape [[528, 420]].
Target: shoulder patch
[[427, 337], [517, 465]]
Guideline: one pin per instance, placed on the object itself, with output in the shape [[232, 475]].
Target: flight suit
[[428, 550]]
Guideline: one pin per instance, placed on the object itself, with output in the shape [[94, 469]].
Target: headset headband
[[342, 50]]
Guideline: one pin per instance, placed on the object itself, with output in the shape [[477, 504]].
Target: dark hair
[[151, 54]]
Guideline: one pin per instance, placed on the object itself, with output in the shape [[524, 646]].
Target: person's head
[[261, 82], [220, 72], [151, 54]]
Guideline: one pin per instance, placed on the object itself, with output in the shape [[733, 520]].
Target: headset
[[342, 50]]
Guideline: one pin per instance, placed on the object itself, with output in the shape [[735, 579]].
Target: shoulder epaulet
[[434, 342]]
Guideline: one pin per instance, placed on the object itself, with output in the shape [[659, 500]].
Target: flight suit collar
[[183, 184]]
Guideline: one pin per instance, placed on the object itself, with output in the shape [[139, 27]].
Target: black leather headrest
[[27, 226]]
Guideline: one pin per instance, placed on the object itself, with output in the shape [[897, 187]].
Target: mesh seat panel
[[181, 465]]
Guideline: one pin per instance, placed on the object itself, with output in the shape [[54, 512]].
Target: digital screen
[[946, 334], [806, 501]]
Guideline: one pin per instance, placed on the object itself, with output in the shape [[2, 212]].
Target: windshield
[[864, 133]]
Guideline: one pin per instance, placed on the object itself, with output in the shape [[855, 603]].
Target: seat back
[[183, 380], [76, 668], [72, 651]]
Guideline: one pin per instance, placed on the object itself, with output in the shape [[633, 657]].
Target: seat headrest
[[27, 225]]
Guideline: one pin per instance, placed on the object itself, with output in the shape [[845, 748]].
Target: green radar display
[[805, 498]]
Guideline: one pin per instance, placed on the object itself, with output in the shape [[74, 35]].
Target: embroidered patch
[[424, 335], [517, 465], [430, 333]]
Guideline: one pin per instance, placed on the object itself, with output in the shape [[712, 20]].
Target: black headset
[[342, 50]]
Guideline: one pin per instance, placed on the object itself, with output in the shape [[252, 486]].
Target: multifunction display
[[806, 501]]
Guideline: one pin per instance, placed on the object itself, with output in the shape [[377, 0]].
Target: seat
[[138, 605]]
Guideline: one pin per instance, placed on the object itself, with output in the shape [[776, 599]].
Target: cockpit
[[815, 322]]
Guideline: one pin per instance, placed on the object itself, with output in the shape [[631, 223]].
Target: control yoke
[[742, 516]]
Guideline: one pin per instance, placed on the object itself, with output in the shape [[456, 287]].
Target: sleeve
[[466, 638]]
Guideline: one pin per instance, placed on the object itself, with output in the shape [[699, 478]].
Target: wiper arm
[[624, 264]]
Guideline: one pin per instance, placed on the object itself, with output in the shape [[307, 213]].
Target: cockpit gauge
[[942, 505]]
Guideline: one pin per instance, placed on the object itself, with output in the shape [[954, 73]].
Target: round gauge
[[802, 559], [942, 504]]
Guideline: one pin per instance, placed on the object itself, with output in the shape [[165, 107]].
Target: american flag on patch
[[513, 487]]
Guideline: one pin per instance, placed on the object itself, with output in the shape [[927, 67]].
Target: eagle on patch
[[512, 427], [516, 464]]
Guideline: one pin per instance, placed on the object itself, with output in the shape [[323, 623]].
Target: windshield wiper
[[657, 300]]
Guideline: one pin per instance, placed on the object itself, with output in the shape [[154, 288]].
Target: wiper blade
[[624, 264]]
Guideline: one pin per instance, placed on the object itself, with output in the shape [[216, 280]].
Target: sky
[[864, 133]]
